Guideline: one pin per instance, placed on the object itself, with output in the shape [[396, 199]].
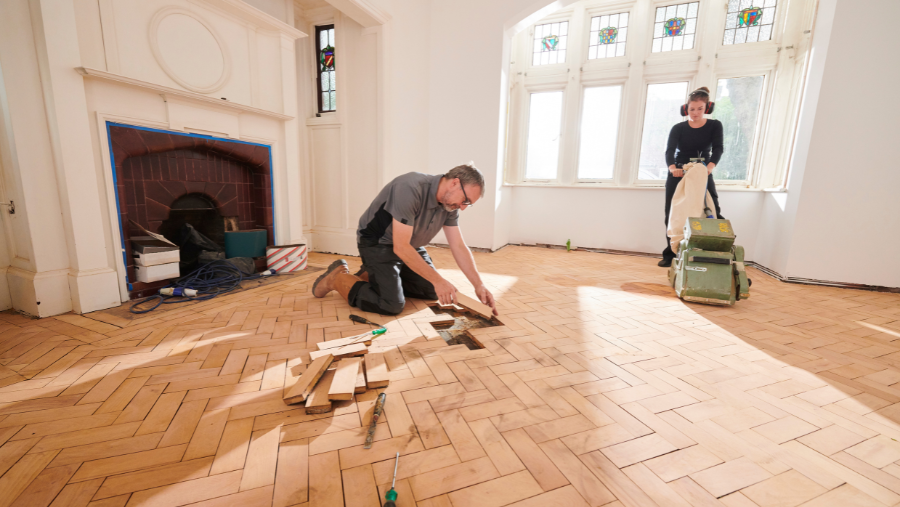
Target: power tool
[[709, 267]]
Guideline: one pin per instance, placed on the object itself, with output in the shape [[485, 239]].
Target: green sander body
[[709, 267]]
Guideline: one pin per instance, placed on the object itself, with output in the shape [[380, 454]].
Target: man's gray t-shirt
[[411, 199]]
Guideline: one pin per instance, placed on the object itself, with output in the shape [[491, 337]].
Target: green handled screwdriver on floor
[[391, 495]]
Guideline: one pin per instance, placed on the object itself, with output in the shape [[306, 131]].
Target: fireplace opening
[[198, 228], [176, 184]]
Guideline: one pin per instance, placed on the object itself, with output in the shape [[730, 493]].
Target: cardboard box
[[157, 258], [158, 272]]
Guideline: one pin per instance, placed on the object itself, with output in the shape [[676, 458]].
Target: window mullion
[[570, 131]]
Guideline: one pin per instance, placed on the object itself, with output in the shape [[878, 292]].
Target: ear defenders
[[710, 105]]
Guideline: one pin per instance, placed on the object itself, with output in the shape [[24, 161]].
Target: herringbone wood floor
[[600, 389]]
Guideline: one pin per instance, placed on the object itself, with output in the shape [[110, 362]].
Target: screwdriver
[[391, 495]]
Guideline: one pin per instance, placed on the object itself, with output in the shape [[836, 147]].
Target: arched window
[[596, 88]]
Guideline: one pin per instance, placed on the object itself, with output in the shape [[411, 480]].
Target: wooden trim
[[165, 90]]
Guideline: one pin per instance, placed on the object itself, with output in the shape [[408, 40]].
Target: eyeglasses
[[466, 197]]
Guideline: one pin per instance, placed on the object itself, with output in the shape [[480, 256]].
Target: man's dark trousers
[[390, 281]]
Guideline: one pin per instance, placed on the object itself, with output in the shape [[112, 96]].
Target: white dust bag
[[688, 201]]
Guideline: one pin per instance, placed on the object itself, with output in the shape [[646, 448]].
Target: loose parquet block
[[376, 370], [317, 402], [475, 306], [307, 382], [343, 385]]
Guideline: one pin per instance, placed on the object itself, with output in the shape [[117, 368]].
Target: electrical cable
[[206, 282]]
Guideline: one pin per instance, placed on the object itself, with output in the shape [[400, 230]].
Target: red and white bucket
[[286, 258]]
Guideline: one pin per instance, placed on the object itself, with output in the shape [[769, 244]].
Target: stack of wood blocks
[[343, 367]]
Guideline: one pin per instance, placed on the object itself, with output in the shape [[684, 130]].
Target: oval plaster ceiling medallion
[[189, 50]]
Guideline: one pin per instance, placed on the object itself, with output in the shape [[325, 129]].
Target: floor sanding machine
[[709, 267]]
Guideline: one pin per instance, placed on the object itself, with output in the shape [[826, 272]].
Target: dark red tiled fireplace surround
[[154, 169]]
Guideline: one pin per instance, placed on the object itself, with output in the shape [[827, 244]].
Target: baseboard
[[767, 271], [825, 283]]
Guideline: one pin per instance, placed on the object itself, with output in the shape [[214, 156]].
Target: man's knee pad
[[393, 307]]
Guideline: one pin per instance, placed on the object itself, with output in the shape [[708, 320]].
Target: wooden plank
[[233, 448], [14, 482], [292, 474], [340, 353], [343, 385], [205, 439], [189, 491], [146, 479], [376, 371], [343, 342], [317, 402], [129, 462], [307, 382], [475, 306], [361, 379], [259, 469], [325, 480], [359, 487]]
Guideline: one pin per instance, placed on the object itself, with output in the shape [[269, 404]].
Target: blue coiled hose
[[210, 280]]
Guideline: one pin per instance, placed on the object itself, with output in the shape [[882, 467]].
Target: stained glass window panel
[[660, 114], [738, 108], [599, 131], [550, 42], [544, 123], [325, 61], [749, 21], [608, 35], [674, 27]]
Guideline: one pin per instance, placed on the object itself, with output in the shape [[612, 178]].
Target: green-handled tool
[[391, 495]]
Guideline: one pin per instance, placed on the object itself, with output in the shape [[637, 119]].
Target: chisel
[[379, 406]]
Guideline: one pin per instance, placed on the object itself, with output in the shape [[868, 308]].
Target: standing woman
[[698, 137]]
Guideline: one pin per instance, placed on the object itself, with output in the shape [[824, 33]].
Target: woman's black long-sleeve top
[[686, 143]]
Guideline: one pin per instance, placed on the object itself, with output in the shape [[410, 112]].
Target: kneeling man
[[404, 217]]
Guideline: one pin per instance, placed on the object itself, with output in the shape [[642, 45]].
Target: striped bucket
[[287, 258]]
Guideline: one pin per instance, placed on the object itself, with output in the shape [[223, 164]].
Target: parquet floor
[[600, 389]]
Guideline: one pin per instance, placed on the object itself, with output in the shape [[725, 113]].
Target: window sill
[[325, 119], [648, 186]]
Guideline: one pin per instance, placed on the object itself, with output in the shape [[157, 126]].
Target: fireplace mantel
[[185, 94]]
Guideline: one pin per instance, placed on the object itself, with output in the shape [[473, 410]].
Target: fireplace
[[166, 179]]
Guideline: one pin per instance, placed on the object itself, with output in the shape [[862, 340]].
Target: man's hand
[[676, 172], [710, 167], [486, 297], [446, 292]]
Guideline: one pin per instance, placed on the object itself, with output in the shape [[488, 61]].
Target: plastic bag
[[687, 202]]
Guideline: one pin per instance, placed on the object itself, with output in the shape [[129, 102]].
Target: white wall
[[846, 223], [626, 219], [455, 111], [341, 166]]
